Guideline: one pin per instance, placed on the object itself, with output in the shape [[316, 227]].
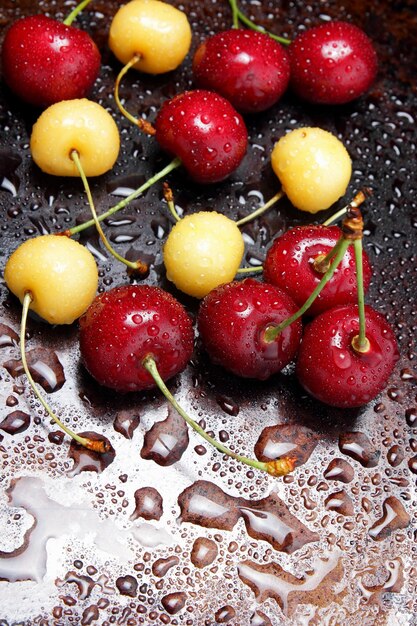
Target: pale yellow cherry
[[157, 32], [202, 251], [313, 167], [80, 125], [59, 273]]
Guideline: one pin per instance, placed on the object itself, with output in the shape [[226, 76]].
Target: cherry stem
[[137, 121], [250, 270], [356, 202], [248, 218], [175, 163], [97, 446], [360, 342], [352, 229], [322, 262], [337, 252], [71, 17], [278, 467], [235, 13], [238, 15], [335, 216], [169, 199], [135, 266]]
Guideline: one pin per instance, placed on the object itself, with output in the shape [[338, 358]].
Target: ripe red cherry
[[289, 264], [248, 68], [45, 61], [232, 321], [333, 63], [124, 325], [332, 371], [205, 132]]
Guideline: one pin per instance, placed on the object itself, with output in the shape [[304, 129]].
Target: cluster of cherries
[[137, 336], [46, 61]]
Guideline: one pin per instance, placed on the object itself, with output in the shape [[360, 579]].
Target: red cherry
[[289, 264], [205, 132], [333, 63], [248, 68], [127, 324], [232, 321], [45, 61], [332, 371]]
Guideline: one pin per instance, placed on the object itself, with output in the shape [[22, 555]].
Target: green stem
[[150, 365], [250, 270], [235, 13], [161, 174], [323, 261], [173, 211], [361, 343], [359, 198], [340, 248], [133, 265], [71, 17], [238, 15], [122, 72], [248, 218], [336, 216], [169, 198], [26, 304]]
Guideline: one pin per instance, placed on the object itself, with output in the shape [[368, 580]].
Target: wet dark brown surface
[[333, 541]]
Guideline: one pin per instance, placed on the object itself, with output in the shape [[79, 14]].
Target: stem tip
[[360, 345], [281, 467], [100, 445]]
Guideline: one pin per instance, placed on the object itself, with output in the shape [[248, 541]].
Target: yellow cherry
[[155, 31], [313, 167], [202, 251], [80, 125], [59, 273]]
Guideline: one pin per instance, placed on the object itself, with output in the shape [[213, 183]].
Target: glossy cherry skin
[[124, 325], [232, 320], [45, 61], [205, 131], [248, 68], [333, 63], [332, 371], [289, 264]]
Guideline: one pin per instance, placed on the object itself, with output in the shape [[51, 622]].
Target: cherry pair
[[332, 63]]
